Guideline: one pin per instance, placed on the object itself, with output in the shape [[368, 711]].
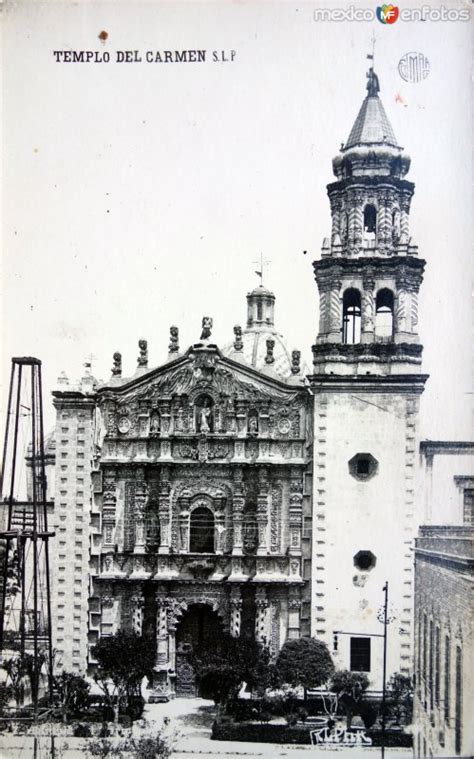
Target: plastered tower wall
[[354, 515], [367, 384]]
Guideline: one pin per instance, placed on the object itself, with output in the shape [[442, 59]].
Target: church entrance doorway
[[199, 626]]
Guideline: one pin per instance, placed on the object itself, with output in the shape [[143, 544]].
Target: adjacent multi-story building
[[444, 638]]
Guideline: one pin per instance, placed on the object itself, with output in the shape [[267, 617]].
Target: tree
[[349, 688], [400, 689], [225, 665], [72, 693], [16, 671], [304, 662], [123, 660]]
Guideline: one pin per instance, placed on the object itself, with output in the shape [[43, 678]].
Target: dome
[[260, 345], [261, 290], [254, 352]]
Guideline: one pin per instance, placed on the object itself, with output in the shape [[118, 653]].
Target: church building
[[230, 489]]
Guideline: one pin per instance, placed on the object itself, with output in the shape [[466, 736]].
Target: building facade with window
[[444, 637], [198, 498]]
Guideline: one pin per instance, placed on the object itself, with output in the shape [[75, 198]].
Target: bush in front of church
[[305, 663]]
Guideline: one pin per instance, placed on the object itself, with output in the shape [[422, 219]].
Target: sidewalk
[[193, 718]]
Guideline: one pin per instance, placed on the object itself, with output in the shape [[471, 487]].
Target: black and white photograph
[[237, 477]]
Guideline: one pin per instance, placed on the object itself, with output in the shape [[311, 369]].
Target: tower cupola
[[369, 273], [260, 308]]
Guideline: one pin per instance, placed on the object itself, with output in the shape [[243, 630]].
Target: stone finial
[[270, 358], [117, 367], [173, 347], [63, 380], [206, 327], [143, 357], [238, 344], [295, 362]]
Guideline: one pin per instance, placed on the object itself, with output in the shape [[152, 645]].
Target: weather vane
[[262, 262], [371, 56], [89, 359]]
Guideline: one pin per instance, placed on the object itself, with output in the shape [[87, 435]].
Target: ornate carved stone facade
[[197, 510]]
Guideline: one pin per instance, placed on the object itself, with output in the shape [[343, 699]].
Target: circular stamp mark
[[413, 67]]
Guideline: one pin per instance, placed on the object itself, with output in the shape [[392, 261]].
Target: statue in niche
[[253, 425], [155, 424], [205, 417], [179, 420], [206, 327]]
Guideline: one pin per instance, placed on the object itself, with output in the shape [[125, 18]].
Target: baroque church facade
[[229, 489]]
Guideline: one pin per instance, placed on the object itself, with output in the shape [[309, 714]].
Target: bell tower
[[367, 383], [369, 274]]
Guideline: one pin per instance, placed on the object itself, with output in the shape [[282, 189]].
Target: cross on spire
[[262, 262], [373, 86]]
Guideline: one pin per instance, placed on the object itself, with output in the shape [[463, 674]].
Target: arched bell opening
[[351, 316], [384, 315], [370, 222]]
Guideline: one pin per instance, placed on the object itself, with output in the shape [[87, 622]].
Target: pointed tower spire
[[371, 126]]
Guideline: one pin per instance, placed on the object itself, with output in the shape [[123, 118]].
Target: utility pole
[[384, 674]]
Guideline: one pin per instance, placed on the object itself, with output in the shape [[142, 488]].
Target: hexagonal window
[[363, 466], [364, 560]]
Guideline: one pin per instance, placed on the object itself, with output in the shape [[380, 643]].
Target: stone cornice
[[370, 181], [359, 350], [344, 383], [395, 265], [431, 447]]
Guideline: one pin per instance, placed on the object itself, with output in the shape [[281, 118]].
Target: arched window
[[384, 314], [351, 316], [370, 222], [201, 532]]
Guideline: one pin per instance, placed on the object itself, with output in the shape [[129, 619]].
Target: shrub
[[304, 662], [368, 713], [81, 730], [302, 714]]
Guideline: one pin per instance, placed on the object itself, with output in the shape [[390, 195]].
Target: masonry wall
[[443, 627], [70, 546], [377, 515], [443, 500]]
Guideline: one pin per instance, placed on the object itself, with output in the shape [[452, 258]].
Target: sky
[[140, 195]]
